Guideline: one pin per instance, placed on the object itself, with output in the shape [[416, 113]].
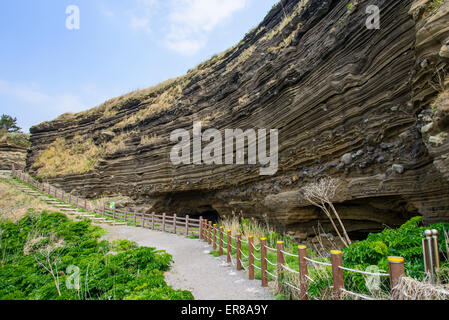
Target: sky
[[50, 64]]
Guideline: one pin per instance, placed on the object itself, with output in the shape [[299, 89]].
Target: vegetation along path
[[194, 269]]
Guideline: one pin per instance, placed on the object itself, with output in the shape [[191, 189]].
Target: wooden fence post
[[204, 230], [210, 232], [251, 258], [220, 248], [201, 228], [263, 262], [280, 263], [228, 246], [397, 270], [215, 237], [239, 254], [153, 226], [174, 223], [337, 273], [163, 222], [303, 272], [187, 225]]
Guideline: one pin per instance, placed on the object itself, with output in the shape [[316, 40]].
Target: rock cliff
[[349, 102], [13, 150]]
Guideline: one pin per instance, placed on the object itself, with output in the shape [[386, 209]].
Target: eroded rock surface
[[10, 154], [346, 100]]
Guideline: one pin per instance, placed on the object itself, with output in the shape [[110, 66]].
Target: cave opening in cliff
[[360, 218], [204, 211]]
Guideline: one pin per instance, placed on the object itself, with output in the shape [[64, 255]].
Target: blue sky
[[47, 69]]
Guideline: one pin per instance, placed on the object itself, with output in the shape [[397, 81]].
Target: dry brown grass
[[63, 157], [442, 101], [411, 289], [147, 140], [253, 228], [14, 204]]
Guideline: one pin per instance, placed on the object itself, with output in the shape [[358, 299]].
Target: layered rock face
[[10, 154], [348, 102]]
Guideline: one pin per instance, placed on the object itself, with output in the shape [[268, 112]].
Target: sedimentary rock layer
[[346, 101], [10, 155]]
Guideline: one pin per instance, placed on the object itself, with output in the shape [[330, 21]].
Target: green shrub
[[116, 271]]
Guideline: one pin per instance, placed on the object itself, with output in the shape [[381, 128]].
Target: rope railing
[[289, 254], [273, 275], [365, 272], [318, 262], [358, 295], [243, 253], [292, 286], [289, 270], [273, 264], [153, 221], [271, 249]]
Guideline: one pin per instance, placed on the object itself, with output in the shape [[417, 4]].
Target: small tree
[[9, 124], [45, 251], [321, 194]]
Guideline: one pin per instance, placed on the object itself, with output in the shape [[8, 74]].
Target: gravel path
[[194, 269]]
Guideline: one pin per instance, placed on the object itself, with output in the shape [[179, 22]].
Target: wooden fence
[[222, 242], [167, 223], [214, 235]]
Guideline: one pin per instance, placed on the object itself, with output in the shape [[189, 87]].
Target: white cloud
[[30, 94], [106, 11], [139, 23], [140, 19], [191, 21]]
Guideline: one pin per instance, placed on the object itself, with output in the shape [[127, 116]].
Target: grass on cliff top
[[14, 204], [47, 256], [63, 158], [16, 139]]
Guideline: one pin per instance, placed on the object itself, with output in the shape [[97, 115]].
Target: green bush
[[115, 271], [405, 242]]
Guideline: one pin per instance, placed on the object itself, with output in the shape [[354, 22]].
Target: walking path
[[194, 269]]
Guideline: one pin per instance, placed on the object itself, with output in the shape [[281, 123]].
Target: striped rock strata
[[345, 99]]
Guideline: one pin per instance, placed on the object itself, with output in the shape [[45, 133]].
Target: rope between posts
[[365, 272], [274, 276], [233, 247], [309, 278], [255, 248], [258, 259], [318, 262], [289, 254], [288, 269], [292, 286], [357, 294], [256, 267], [243, 253], [273, 264], [243, 241], [272, 249]]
